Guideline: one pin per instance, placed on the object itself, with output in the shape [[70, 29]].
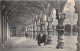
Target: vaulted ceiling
[[25, 11]]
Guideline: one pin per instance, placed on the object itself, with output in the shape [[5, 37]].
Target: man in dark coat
[[39, 39], [44, 39], [26, 34]]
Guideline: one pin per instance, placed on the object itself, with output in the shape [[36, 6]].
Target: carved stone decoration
[[77, 9], [61, 29]]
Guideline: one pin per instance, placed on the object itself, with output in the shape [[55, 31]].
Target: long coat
[[39, 38], [26, 34], [44, 38]]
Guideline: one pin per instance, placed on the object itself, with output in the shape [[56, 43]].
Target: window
[[13, 27]]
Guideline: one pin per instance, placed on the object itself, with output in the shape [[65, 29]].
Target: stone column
[[54, 30], [4, 27], [77, 9], [71, 30], [38, 27], [78, 38], [8, 31], [60, 18], [33, 31], [50, 30], [0, 28], [28, 31]]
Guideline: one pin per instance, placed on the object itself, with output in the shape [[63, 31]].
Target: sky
[[72, 2]]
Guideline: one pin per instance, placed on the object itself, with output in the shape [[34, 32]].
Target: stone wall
[[19, 30], [0, 29]]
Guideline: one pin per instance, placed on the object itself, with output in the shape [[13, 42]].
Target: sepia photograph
[[39, 25]]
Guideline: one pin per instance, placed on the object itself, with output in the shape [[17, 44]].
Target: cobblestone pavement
[[27, 44]]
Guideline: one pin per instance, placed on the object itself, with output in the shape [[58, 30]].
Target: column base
[[3, 45], [60, 45], [49, 41], [78, 47]]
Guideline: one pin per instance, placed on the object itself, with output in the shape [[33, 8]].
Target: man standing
[[44, 39], [39, 39], [26, 34]]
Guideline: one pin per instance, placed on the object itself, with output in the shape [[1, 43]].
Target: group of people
[[42, 39]]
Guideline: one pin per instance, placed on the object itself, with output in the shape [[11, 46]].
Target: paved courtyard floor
[[29, 44]]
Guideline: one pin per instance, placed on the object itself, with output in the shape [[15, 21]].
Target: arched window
[[75, 28], [68, 28], [13, 30]]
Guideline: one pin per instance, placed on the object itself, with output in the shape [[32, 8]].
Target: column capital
[[50, 19]]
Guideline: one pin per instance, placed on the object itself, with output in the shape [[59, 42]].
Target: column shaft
[[78, 44], [0, 29], [50, 32], [54, 30], [33, 32], [60, 30], [71, 30]]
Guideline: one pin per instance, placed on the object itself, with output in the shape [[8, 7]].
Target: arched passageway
[[29, 18]]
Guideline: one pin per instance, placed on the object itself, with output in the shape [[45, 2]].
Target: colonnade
[[39, 25]]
